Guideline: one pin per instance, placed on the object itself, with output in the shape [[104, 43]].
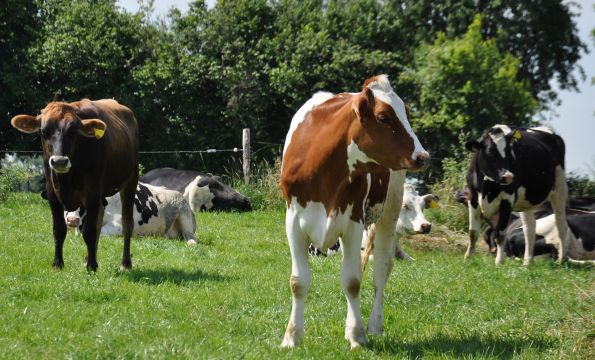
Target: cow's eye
[[383, 119]]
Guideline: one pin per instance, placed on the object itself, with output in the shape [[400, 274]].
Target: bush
[[264, 189], [20, 174], [580, 185]]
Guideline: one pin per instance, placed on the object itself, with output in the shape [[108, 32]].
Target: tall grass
[[228, 297]]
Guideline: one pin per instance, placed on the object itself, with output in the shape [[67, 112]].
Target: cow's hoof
[[191, 242], [375, 330], [527, 262], [292, 337], [92, 267], [58, 264], [356, 336], [126, 265]]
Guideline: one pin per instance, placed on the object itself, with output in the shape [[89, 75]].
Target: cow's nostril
[[425, 228]]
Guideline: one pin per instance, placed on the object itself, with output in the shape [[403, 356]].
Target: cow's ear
[[472, 145], [431, 201], [92, 128], [26, 123], [363, 106]]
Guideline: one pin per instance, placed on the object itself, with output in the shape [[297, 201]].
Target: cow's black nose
[[58, 161], [422, 159], [426, 227]]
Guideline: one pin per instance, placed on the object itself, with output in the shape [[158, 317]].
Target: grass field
[[228, 297]]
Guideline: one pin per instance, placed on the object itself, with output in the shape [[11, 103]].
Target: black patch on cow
[[515, 245], [145, 204], [583, 227]]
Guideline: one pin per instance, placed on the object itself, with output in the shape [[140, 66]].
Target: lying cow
[[203, 191], [516, 170], [158, 211], [343, 168], [411, 220], [90, 151]]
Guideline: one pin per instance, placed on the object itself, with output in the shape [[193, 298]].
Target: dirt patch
[[442, 239]]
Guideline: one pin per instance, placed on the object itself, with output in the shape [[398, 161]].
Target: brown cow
[[90, 152], [343, 169]]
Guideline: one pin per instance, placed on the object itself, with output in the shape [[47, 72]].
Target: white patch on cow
[[542, 129], [300, 115], [355, 155], [198, 196], [490, 208], [522, 204], [322, 229], [500, 138], [383, 91]]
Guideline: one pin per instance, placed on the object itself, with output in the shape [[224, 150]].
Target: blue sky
[[574, 119]]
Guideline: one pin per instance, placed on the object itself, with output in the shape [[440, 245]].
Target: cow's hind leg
[[299, 281], [127, 199], [558, 199], [474, 228], [528, 220], [187, 223], [351, 277]]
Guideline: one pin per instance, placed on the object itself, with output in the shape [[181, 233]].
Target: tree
[[463, 86]]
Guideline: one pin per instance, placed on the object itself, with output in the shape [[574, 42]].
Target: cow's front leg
[[474, 228], [299, 281], [91, 230], [528, 220], [59, 227], [558, 199], [503, 219], [384, 248], [351, 277]]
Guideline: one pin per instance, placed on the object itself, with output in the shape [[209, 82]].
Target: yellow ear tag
[[517, 135], [433, 204], [98, 133]]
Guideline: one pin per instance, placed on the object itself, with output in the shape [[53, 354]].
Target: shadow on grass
[[463, 346], [174, 276]]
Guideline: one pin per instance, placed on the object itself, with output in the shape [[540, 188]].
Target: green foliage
[[466, 85], [264, 190], [20, 174], [580, 185], [228, 297]]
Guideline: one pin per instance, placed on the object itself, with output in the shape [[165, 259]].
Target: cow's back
[[170, 178]]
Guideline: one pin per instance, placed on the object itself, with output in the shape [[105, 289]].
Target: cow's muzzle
[[60, 164], [506, 178], [421, 160]]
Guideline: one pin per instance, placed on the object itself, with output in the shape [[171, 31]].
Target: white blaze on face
[[411, 216], [500, 139], [300, 115], [383, 91]]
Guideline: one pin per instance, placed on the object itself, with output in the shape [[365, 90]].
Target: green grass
[[228, 297]]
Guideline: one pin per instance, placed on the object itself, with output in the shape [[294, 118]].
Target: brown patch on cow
[[353, 287], [297, 289], [315, 162]]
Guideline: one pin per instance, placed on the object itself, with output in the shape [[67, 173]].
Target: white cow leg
[[558, 199], [351, 282], [474, 228], [299, 281], [384, 248], [528, 220]]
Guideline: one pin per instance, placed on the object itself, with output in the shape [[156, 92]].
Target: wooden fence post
[[246, 154]]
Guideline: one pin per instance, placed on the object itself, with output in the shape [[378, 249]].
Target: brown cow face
[[60, 128], [385, 135]]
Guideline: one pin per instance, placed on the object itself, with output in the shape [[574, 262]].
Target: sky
[[573, 119]]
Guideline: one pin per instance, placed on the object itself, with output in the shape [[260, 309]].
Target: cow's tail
[[369, 247]]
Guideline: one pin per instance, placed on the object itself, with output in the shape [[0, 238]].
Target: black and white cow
[[580, 216], [203, 191], [516, 170], [157, 211]]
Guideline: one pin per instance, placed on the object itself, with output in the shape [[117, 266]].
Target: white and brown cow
[[343, 167], [90, 151], [516, 170], [157, 211]]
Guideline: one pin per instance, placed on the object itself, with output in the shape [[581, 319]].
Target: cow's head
[[494, 154], [412, 216], [383, 132], [60, 128]]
